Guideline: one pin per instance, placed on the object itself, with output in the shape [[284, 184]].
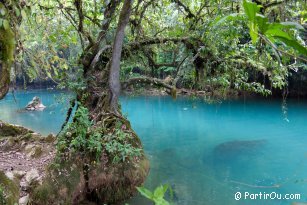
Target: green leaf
[[160, 191], [145, 192], [286, 25], [17, 11], [251, 9], [292, 25], [23, 14], [253, 32], [6, 24], [2, 11], [229, 17], [294, 44], [262, 22], [278, 33]]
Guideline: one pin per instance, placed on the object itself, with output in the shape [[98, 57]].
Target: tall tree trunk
[[103, 80], [114, 82]]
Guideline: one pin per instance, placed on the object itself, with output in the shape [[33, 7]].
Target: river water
[[206, 152]]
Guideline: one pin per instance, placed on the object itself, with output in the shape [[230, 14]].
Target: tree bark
[[4, 80], [116, 55]]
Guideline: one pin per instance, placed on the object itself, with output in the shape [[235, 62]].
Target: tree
[[11, 13]]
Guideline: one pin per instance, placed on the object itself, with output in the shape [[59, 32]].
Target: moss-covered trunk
[[7, 48], [10, 22]]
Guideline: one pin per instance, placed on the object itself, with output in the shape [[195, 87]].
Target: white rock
[[32, 176], [24, 200], [19, 174], [9, 175]]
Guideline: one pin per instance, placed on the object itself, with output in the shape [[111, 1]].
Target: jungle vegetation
[[96, 48]]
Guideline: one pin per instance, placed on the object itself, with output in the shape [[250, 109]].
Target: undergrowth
[[82, 137]]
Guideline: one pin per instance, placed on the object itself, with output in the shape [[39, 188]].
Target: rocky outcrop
[[105, 183], [23, 158], [35, 104], [27, 161]]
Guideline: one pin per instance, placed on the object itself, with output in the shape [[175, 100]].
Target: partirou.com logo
[[265, 196]]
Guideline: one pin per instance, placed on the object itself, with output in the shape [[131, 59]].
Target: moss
[[50, 138], [108, 183], [37, 152], [44, 194], [59, 186], [7, 41], [26, 137], [10, 190], [8, 130]]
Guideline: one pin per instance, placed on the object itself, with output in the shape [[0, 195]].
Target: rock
[[19, 174], [33, 151], [236, 148], [50, 138], [24, 186], [10, 175], [29, 148], [32, 177], [24, 200], [35, 104], [110, 184]]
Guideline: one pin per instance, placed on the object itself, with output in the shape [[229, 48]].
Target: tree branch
[[146, 80], [186, 9]]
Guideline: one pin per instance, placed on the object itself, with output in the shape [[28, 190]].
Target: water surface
[[205, 152], [45, 122]]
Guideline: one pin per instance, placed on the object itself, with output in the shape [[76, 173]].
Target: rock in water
[[35, 104], [233, 149]]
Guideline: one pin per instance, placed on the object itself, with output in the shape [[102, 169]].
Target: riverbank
[[24, 156]]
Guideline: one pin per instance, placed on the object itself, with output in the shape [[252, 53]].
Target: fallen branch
[[147, 80]]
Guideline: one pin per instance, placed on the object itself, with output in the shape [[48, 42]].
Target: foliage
[[157, 196], [259, 25], [52, 42], [118, 146], [2, 196], [78, 138]]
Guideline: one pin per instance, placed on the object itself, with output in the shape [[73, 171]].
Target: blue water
[[45, 122], [184, 141]]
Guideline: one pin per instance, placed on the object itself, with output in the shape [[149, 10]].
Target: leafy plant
[[77, 137], [2, 196], [157, 196], [118, 146], [260, 26]]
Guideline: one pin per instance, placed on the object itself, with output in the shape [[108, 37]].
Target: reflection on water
[[205, 152]]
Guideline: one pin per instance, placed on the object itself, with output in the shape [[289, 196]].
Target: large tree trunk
[[103, 83], [116, 55]]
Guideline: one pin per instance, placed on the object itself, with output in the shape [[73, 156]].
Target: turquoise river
[[208, 153]]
